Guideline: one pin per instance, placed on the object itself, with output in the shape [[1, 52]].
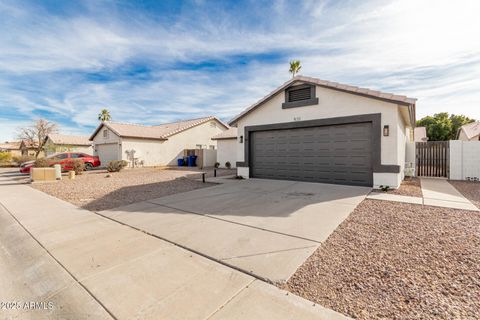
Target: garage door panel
[[332, 154]]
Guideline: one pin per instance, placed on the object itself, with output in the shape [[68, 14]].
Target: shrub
[[217, 164], [41, 163], [5, 157], [78, 166], [116, 165], [228, 165]]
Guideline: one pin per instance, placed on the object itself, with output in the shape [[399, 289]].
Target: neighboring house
[[66, 143], [12, 147], [30, 149], [420, 134], [469, 132], [227, 147], [314, 130], [155, 145]]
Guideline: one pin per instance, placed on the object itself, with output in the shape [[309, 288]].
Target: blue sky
[[158, 61]]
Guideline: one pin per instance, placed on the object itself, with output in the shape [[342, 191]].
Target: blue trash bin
[[192, 161], [180, 162]]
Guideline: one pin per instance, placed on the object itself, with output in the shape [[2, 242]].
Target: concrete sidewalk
[[108, 270], [436, 192]]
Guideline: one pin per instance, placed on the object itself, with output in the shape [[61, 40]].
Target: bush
[[217, 164], [228, 165], [5, 157], [116, 165], [41, 163], [78, 166]]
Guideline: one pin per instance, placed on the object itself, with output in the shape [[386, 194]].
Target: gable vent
[[299, 94]]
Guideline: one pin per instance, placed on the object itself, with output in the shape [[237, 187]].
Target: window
[[105, 133], [61, 156], [77, 155], [212, 147], [299, 96]]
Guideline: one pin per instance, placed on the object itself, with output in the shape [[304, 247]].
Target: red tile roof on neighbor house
[[389, 97], [471, 129], [63, 139], [231, 133], [157, 132]]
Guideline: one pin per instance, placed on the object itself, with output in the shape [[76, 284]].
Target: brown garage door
[[340, 154]]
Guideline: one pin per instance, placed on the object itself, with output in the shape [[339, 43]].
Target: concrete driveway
[[266, 228]]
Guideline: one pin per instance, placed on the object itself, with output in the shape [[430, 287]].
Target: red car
[[65, 160]]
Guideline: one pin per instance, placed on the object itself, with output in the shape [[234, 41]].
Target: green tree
[[442, 126], [295, 66], [104, 115]]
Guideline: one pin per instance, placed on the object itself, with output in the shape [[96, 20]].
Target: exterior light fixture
[[241, 139], [386, 131]]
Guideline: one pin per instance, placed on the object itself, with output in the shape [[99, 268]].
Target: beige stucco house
[[67, 143], [314, 130], [12, 147], [29, 149], [155, 145], [469, 132], [227, 147], [420, 134]]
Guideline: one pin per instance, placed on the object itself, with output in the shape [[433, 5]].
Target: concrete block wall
[[464, 160]]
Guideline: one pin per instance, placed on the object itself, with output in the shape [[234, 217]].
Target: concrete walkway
[[91, 267], [436, 192], [440, 193]]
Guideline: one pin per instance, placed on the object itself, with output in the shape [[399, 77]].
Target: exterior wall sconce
[[241, 139], [386, 131]]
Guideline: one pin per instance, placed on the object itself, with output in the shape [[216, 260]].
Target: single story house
[[227, 147], [67, 143], [469, 132], [29, 149], [155, 145], [420, 134], [12, 147], [314, 130]]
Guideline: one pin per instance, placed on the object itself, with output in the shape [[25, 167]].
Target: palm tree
[[104, 115], [295, 66]]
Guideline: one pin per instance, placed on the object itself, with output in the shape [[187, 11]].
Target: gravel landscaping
[[95, 191], [469, 189], [409, 187], [397, 261]]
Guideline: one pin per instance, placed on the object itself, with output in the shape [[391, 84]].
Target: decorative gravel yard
[[95, 191], [392, 260], [409, 187]]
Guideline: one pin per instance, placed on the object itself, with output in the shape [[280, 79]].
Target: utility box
[[42, 174]]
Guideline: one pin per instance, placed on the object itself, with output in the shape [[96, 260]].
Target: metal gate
[[432, 159]]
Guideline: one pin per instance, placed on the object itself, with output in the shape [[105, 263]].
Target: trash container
[[192, 161], [180, 162]]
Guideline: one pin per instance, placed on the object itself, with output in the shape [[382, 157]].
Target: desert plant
[[41, 163], [116, 165], [78, 166], [5, 157], [217, 164], [228, 165]]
